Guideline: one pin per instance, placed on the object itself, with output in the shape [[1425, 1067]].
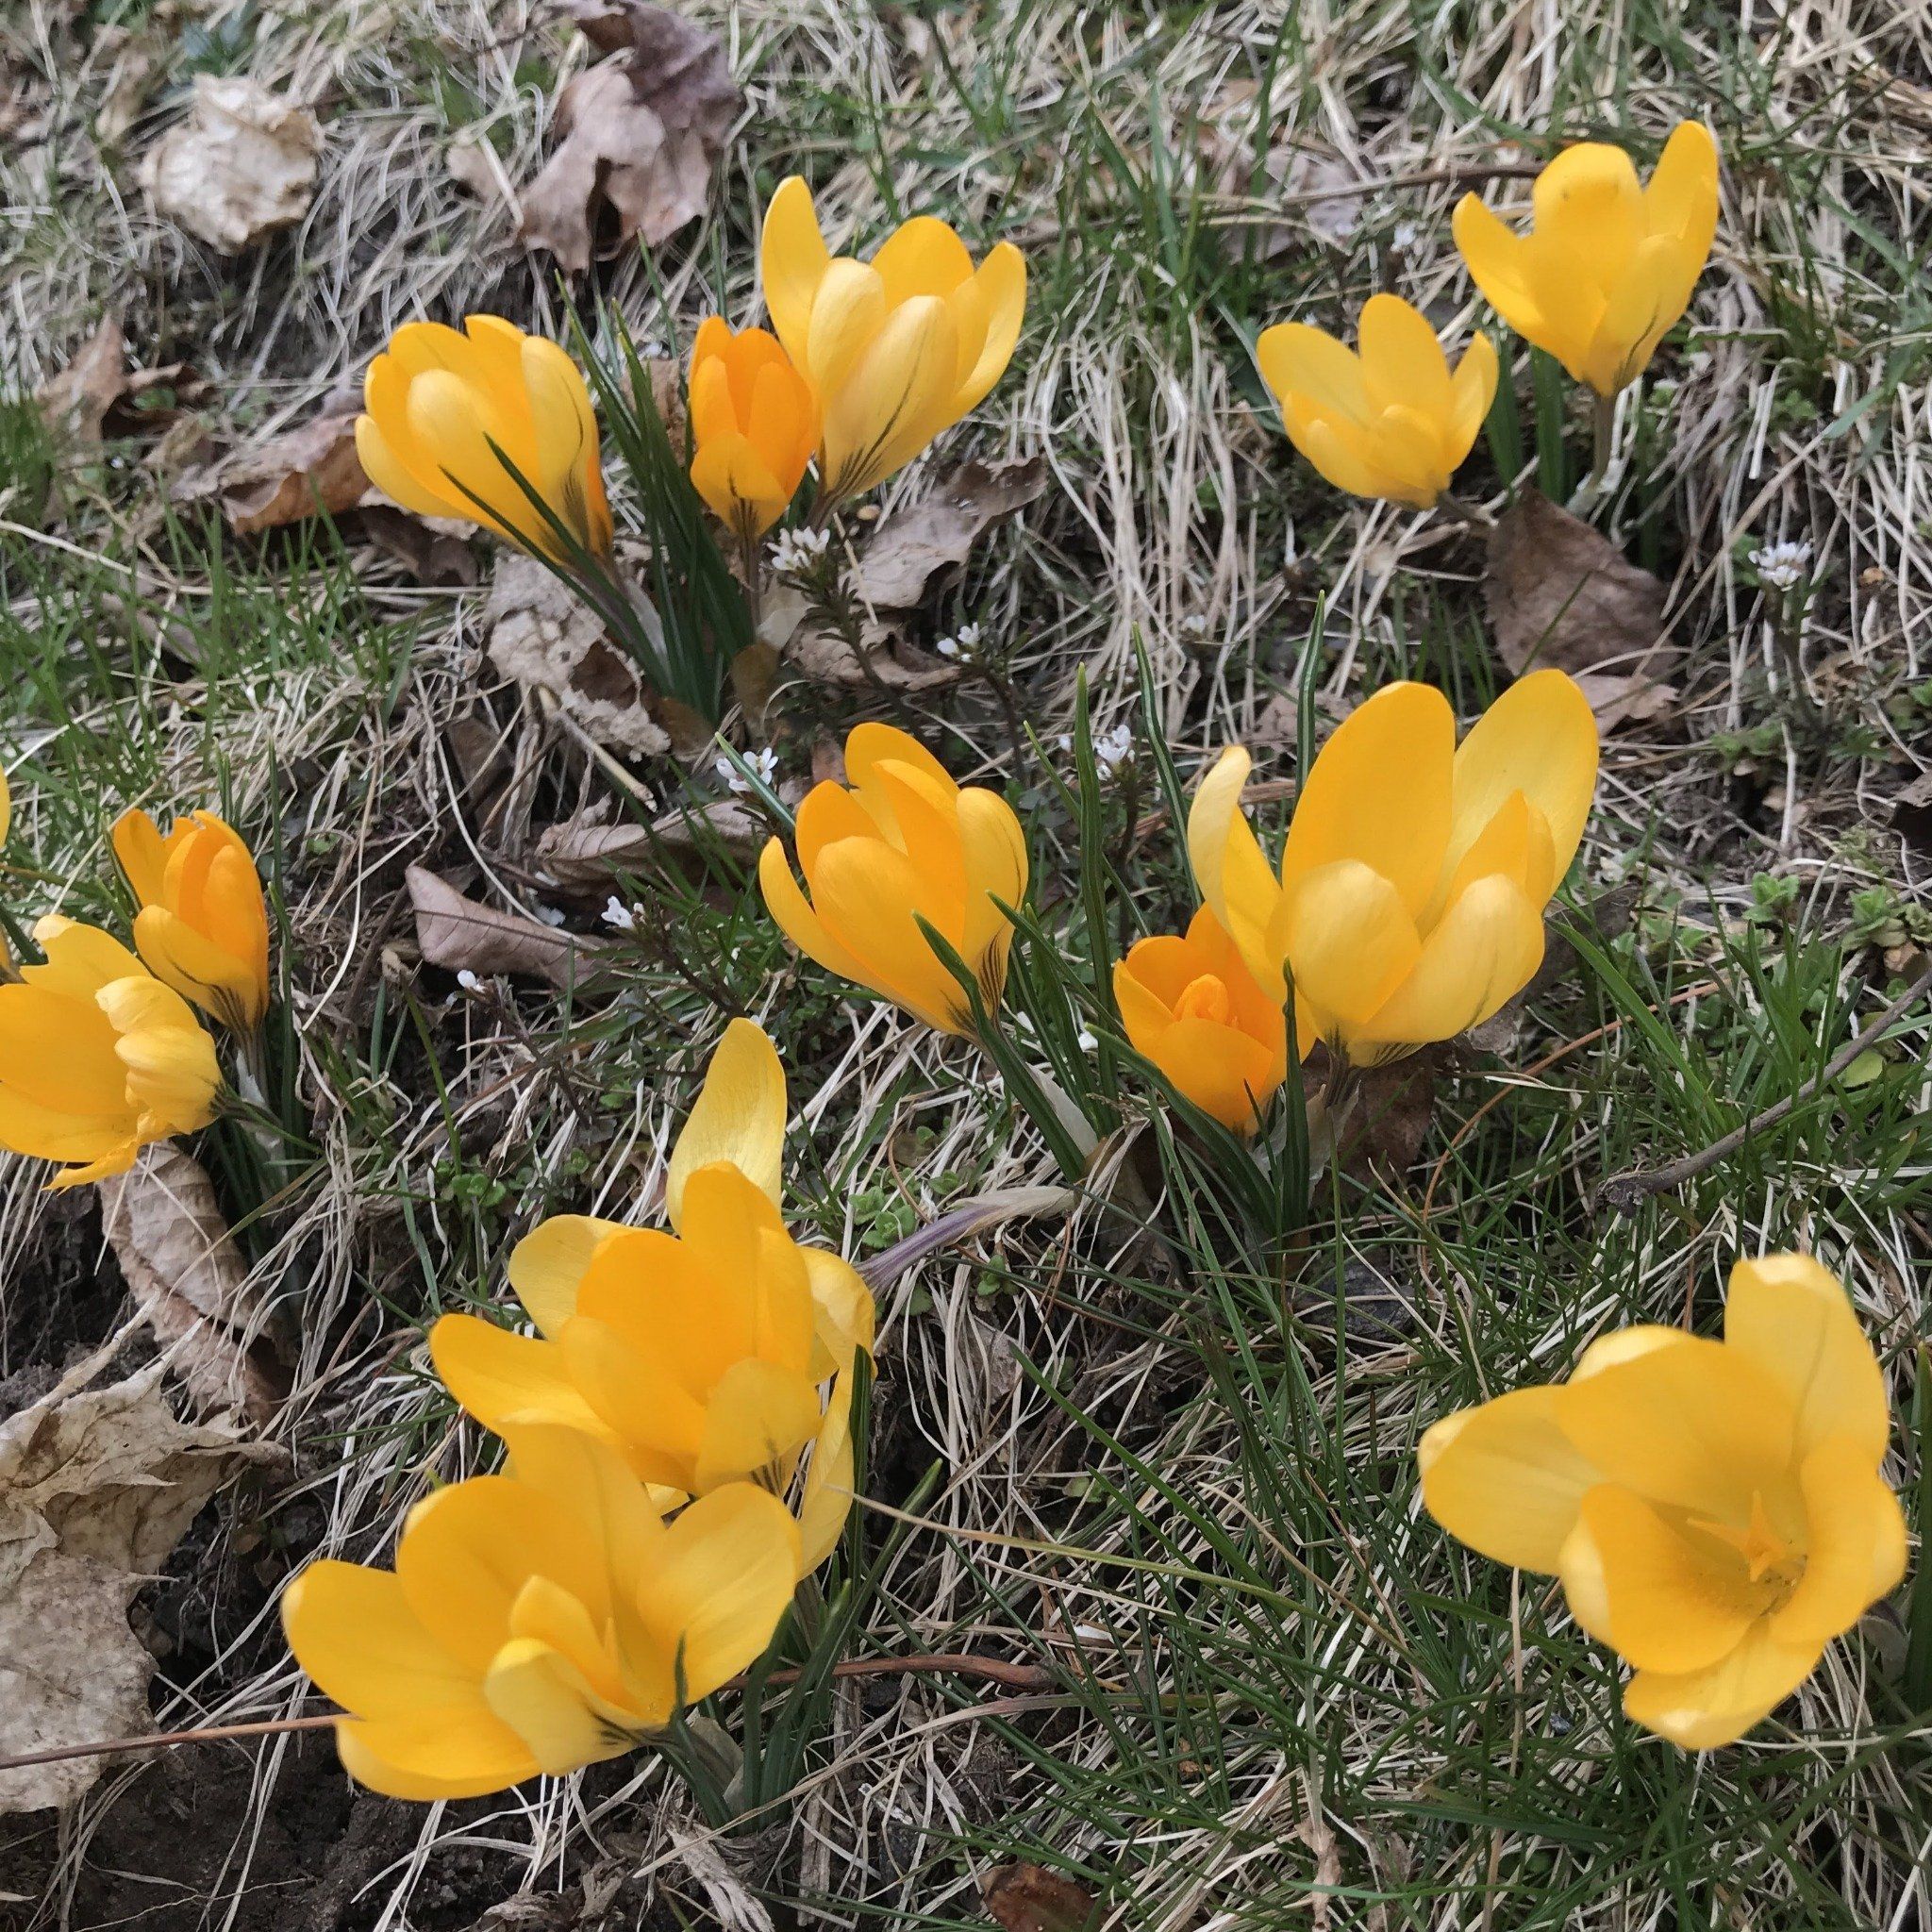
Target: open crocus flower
[[1410, 903], [97, 1057], [1713, 1508], [1388, 420], [539, 1621], [1191, 1006], [720, 1353], [902, 844], [896, 349], [755, 425], [202, 927], [448, 414], [1609, 266]]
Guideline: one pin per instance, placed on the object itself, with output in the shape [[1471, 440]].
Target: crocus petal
[[1351, 942], [1789, 1316], [1001, 281], [793, 260], [1539, 738], [801, 924], [499, 1377], [1498, 264], [1506, 1479], [922, 256], [579, 1473], [1229, 869], [758, 1418], [355, 1634], [1699, 1710], [1854, 1536], [543, 1697], [1299, 361], [547, 1266], [1695, 1424], [866, 893], [844, 1304], [738, 1116], [1664, 1600], [429, 1755], [640, 1402], [1480, 955], [827, 1499], [1681, 198], [1472, 390], [729, 1565], [1402, 360], [380, 464], [1379, 793]]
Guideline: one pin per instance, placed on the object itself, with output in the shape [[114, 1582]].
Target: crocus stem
[[1605, 426]]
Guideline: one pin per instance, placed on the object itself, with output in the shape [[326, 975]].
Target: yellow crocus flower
[[1191, 1006], [1713, 1508], [203, 925], [97, 1057], [904, 842], [444, 410], [1409, 906], [717, 1353], [897, 348], [1389, 421], [539, 1621], [753, 424], [1609, 265]]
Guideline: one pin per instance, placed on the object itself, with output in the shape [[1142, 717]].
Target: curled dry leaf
[[636, 135], [309, 470], [1024, 1897], [1562, 596], [190, 1283], [592, 858], [436, 557], [912, 552], [824, 657], [96, 1489], [240, 166], [465, 936], [542, 635], [88, 399]]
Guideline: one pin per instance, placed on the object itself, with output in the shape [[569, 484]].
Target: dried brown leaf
[[189, 1282], [76, 401], [1024, 1897], [1561, 595], [430, 556], [910, 552], [309, 470], [240, 166], [1315, 1832], [580, 858], [96, 1489], [465, 936], [542, 635], [636, 136]]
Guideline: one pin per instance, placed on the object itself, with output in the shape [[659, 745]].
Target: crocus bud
[[1388, 420], [1609, 265], [1410, 901], [1193, 1008], [97, 1057], [453, 419], [753, 424], [896, 349], [203, 926], [902, 843]]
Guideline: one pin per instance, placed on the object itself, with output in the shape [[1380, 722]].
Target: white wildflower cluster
[[1783, 566], [1112, 749], [796, 553], [765, 764], [962, 644], [617, 916]]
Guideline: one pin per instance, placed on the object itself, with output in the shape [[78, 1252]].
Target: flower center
[[1204, 999], [1767, 1556]]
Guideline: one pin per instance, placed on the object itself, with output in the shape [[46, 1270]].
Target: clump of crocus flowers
[[101, 1051], [1713, 1510], [680, 1457]]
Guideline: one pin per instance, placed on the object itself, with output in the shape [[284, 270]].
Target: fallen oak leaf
[[637, 135], [465, 936], [1561, 595], [592, 858], [190, 1283], [911, 551], [242, 166], [308, 471], [96, 1489]]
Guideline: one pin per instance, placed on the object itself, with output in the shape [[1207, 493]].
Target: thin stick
[[991, 1670], [1624, 1191]]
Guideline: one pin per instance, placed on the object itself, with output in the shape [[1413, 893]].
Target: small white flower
[[1194, 625], [618, 915], [1407, 235], [964, 643], [946, 647], [549, 914], [1112, 749], [794, 552], [469, 982], [1783, 566]]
